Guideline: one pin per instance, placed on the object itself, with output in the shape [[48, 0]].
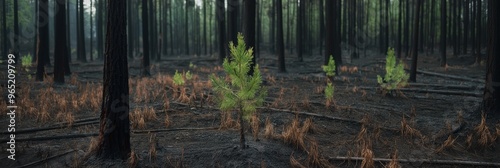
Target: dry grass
[[483, 134], [269, 129], [319, 89], [314, 158], [167, 121], [227, 120], [306, 103], [132, 160], [408, 131], [394, 161], [255, 123], [152, 148], [271, 79], [367, 154], [293, 134], [149, 114], [308, 126], [294, 163], [448, 143]]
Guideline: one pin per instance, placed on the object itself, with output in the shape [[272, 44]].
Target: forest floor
[[433, 123]]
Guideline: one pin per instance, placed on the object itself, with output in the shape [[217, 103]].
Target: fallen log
[[71, 136], [460, 87], [450, 76], [31, 130], [419, 161], [444, 92], [173, 129], [46, 159]]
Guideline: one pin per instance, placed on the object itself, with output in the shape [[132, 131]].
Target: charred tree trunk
[[114, 130], [82, 56], [407, 29], [279, 41], [466, 25], [221, 23], [300, 19], [321, 27], [145, 38], [400, 19], [43, 38], [60, 42], [333, 30], [186, 27], [414, 51], [4, 30], [15, 47], [99, 26], [491, 96], [478, 32], [249, 29], [130, 32], [232, 25], [443, 33]]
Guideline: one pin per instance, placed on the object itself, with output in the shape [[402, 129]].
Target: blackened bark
[[114, 132], [16, 32], [466, 26], [407, 29], [145, 38], [299, 38], [4, 31], [130, 32], [43, 38], [414, 51], [332, 32], [400, 19], [82, 56], [478, 32], [205, 27], [491, 95], [443, 33], [99, 26], [186, 28], [321, 26], [279, 41], [60, 56], [249, 29], [221, 23], [232, 24]]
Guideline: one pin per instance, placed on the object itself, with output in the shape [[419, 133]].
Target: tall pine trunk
[[414, 51], [145, 38], [279, 41], [443, 33], [43, 38], [114, 130], [60, 56], [221, 23]]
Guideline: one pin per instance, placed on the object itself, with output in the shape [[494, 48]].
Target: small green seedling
[[245, 92], [26, 62], [178, 79], [191, 65], [188, 75], [329, 69], [395, 75]]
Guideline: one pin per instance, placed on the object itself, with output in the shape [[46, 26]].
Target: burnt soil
[[366, 119]]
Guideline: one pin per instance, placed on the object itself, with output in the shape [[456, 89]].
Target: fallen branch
[[420, 161], [444, 92], [461, 87], [52, 137], [30, 130], [450, 76], [173, 129], [326, 117], [46, 159]]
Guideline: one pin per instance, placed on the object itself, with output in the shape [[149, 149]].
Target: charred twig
[[173, 129], [52, 137]]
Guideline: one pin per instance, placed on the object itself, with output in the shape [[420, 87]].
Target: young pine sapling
[[395, 75], [244, 92], [329, 69]]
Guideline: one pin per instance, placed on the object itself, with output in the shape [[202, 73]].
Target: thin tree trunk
[[15, 47], [82, 51], [92, 32], [279, 42], [300, 19], [43, 38], [491, 95], [60, 42], [99, 26], [221, 23], [466, 25], [321, 27], [145, 38], [249, 29], [478, 32], [186, 27], [400, 19], [4, 31], [443, 33], [414, 53]]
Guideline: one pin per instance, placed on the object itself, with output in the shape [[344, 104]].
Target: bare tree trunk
[[279, 42], [249, 29], [443, 33], [43, 38], [300, 19], [478, 32], [221, 23], [491, 95], [60, 42], [414, 52], [114, 130], [145, 38]]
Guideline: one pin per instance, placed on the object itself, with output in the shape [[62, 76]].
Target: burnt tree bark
[[333, 28], [478, 32], [443, 33], [81, 34], [414, 51], [60, 56], [4, 30], [15, 47], [249, 29], [279, 41], [491, 95], [299, 38], [145, 38], [43, 38], [114, 130], [221, 23]]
